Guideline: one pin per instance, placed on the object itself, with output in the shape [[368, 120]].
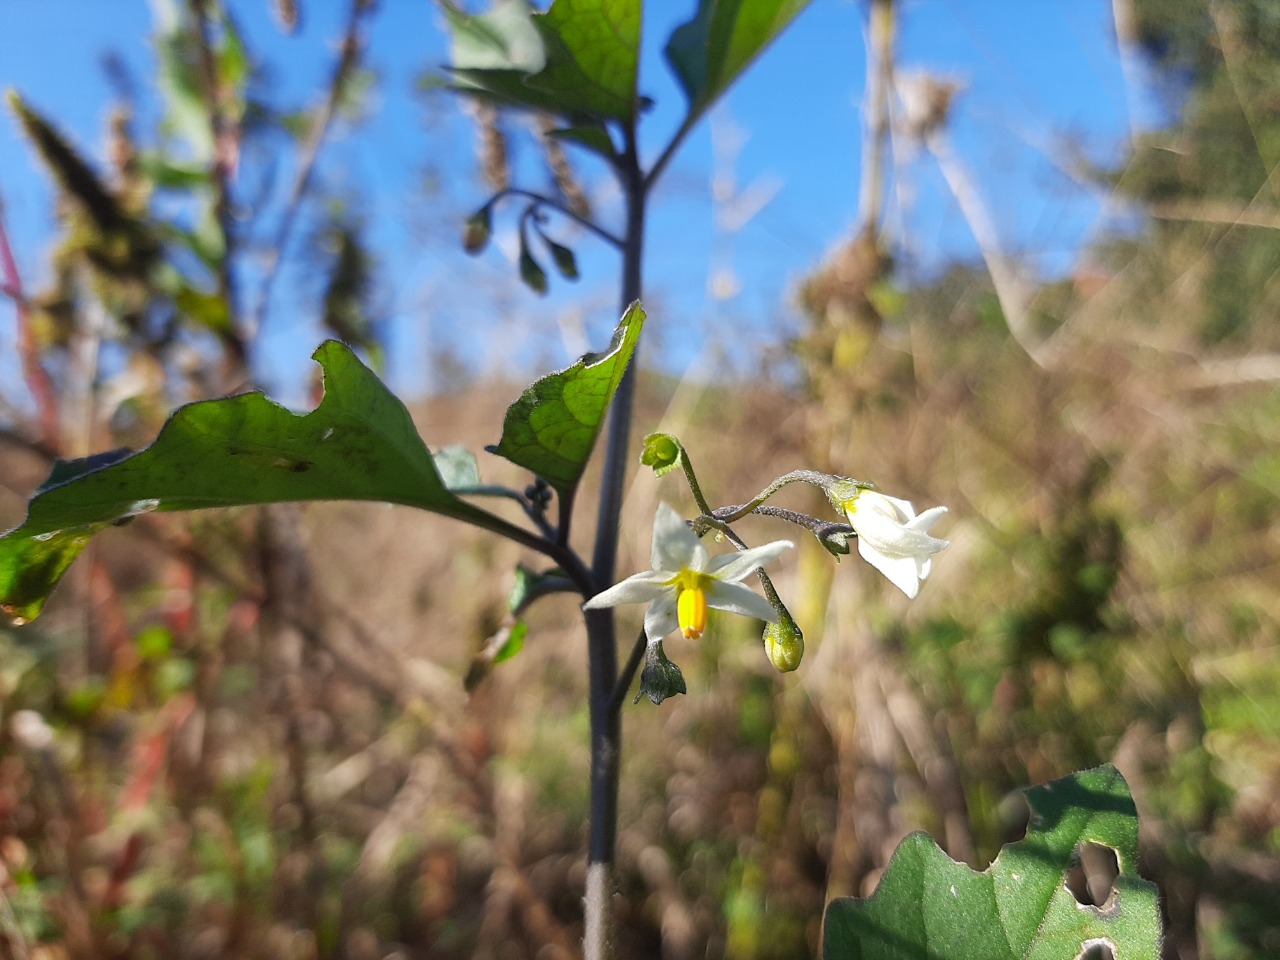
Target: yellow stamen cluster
[[691, 602]]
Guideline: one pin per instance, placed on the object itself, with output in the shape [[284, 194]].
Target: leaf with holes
[[552, 428], [1022, 907], [358, 444]]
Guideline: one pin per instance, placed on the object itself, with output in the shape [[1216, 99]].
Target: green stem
[[694, 487]]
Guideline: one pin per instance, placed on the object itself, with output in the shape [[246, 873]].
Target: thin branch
[[880, 37], [348, 56], [668, 154], [33, 372], [542, 200], [224, 162], [734, 513]]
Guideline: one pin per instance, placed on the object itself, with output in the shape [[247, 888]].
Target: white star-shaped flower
[[893, 539], [686, 580]]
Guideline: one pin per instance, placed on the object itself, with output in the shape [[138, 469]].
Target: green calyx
[[662, 452]]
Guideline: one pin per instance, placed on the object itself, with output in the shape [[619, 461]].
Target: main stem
[[602, 649]]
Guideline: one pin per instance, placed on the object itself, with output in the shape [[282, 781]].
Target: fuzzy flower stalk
[[686, 582]]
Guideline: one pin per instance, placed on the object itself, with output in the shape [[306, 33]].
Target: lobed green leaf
[[358, 444], [1020, 907]]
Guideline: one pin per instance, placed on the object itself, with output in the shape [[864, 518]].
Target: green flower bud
[[662, 452], [784, 644], [534, 277], [564, 259]]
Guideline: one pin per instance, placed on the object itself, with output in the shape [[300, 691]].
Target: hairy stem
[[735, 513]]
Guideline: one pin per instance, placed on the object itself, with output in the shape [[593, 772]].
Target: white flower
[[893, 539], [686, 580]]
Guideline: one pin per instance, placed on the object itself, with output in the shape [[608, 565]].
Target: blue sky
[[1034, 72]]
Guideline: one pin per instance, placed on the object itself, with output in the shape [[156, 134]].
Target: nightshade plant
[[578, 62]]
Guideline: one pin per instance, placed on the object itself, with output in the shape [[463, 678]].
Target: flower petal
[[661, 618], [892, 538], [736, 598], [640, 588], [927, 519], [732, 567], [674, 544], [902, 572], [904, 509]]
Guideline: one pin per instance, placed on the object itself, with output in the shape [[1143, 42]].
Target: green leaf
[[461, 474], [358, 444], [552, 428], [504, 39], [208, 309], [514, 642], [710, 51], [170, 174], [580, 59], [1020, 907], [595, 139], [593, 56]]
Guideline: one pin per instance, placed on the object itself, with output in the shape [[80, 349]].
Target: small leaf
[[513, 643], [661, 677], [1020, 907], [710, 51], [207, 309], [530, 585], [461, 474], [552, 428], [170, 174], [595, 139], [358, 444], [508, 639], [457, 467]]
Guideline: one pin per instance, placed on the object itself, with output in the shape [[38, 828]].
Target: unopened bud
[[564, 259], [475, 237], [784, 644]]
